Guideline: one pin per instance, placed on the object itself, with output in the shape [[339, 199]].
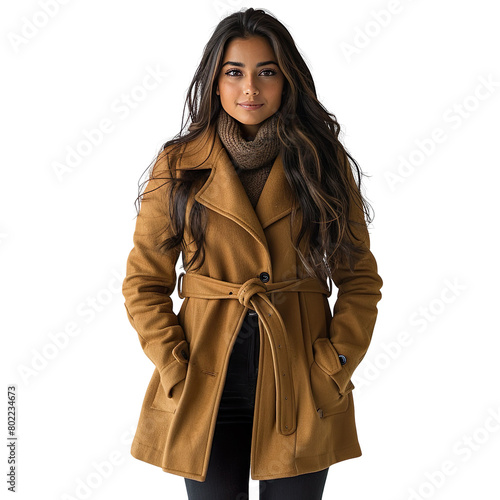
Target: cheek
[[275, 91], [226, 88], [275, 88]]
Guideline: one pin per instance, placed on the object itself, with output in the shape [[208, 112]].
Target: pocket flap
[[181, 352], [326, 356]]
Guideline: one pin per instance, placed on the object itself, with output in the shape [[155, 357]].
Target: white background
[[64, 239]]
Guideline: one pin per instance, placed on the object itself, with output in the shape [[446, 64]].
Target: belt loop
[[179, 289]]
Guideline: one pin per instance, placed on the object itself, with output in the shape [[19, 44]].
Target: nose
[[250, 87]]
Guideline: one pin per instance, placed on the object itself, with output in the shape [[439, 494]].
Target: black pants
[[229, 467]]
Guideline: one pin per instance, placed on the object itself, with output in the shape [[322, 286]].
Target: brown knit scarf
[[252, 160], [249, 154]]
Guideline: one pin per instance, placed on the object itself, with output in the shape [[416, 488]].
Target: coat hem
[[303, 465], [306, 465], [154, 456]]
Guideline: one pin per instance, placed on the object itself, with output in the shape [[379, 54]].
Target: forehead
[[251, 49]]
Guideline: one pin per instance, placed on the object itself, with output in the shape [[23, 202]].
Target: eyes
[[272, 71]]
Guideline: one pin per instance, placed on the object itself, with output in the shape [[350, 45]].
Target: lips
[[251, 106]]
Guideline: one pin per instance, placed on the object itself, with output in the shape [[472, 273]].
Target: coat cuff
[[176, 370], [327, 358]]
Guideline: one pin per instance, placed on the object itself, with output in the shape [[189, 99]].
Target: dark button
[[264, 277], [343, 359], [184, 354]]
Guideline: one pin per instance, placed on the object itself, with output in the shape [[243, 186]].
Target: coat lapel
[[224, 193]]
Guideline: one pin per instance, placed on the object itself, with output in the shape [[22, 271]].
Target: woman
[[253, 374]]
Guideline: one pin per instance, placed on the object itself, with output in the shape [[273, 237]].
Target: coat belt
[[252, 294]]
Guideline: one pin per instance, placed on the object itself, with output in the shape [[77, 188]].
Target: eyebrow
[[241, 65]]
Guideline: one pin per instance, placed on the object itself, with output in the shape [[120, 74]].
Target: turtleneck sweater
[[254, 159]]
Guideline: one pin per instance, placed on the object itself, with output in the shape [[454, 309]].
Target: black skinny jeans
[[229, 467]]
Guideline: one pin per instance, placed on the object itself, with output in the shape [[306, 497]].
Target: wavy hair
[[315, 162]]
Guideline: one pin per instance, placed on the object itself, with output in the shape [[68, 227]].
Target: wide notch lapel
[[224, 193]]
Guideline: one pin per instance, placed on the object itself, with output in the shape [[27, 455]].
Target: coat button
[[264, 277], [184, 354], [343, 359]]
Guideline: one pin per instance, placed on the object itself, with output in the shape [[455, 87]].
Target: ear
[[217, 90]]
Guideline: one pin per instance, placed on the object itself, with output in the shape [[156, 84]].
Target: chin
[[251, 120]]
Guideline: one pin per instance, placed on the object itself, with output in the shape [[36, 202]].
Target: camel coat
[[304, 409]]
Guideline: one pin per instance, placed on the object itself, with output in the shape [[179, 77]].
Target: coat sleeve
[[355, 310], [149, 282]]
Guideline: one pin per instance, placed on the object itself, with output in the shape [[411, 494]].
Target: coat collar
[[224, 193]]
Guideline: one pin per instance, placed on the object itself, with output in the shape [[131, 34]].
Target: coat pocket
[[326, 394], [172, 379]]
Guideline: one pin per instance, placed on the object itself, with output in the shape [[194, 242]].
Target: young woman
[[253, 375]]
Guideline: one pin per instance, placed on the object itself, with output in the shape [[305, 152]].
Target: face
[[244, 77]]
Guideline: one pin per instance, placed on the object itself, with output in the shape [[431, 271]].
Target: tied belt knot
[[252, 295], [248, 290]]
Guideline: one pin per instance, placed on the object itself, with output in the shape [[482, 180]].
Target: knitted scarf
[[247, 155]]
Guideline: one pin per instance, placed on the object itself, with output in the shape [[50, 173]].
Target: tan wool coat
[[304, 408]]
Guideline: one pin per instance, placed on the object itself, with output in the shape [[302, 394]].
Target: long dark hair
[[315, 163]]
